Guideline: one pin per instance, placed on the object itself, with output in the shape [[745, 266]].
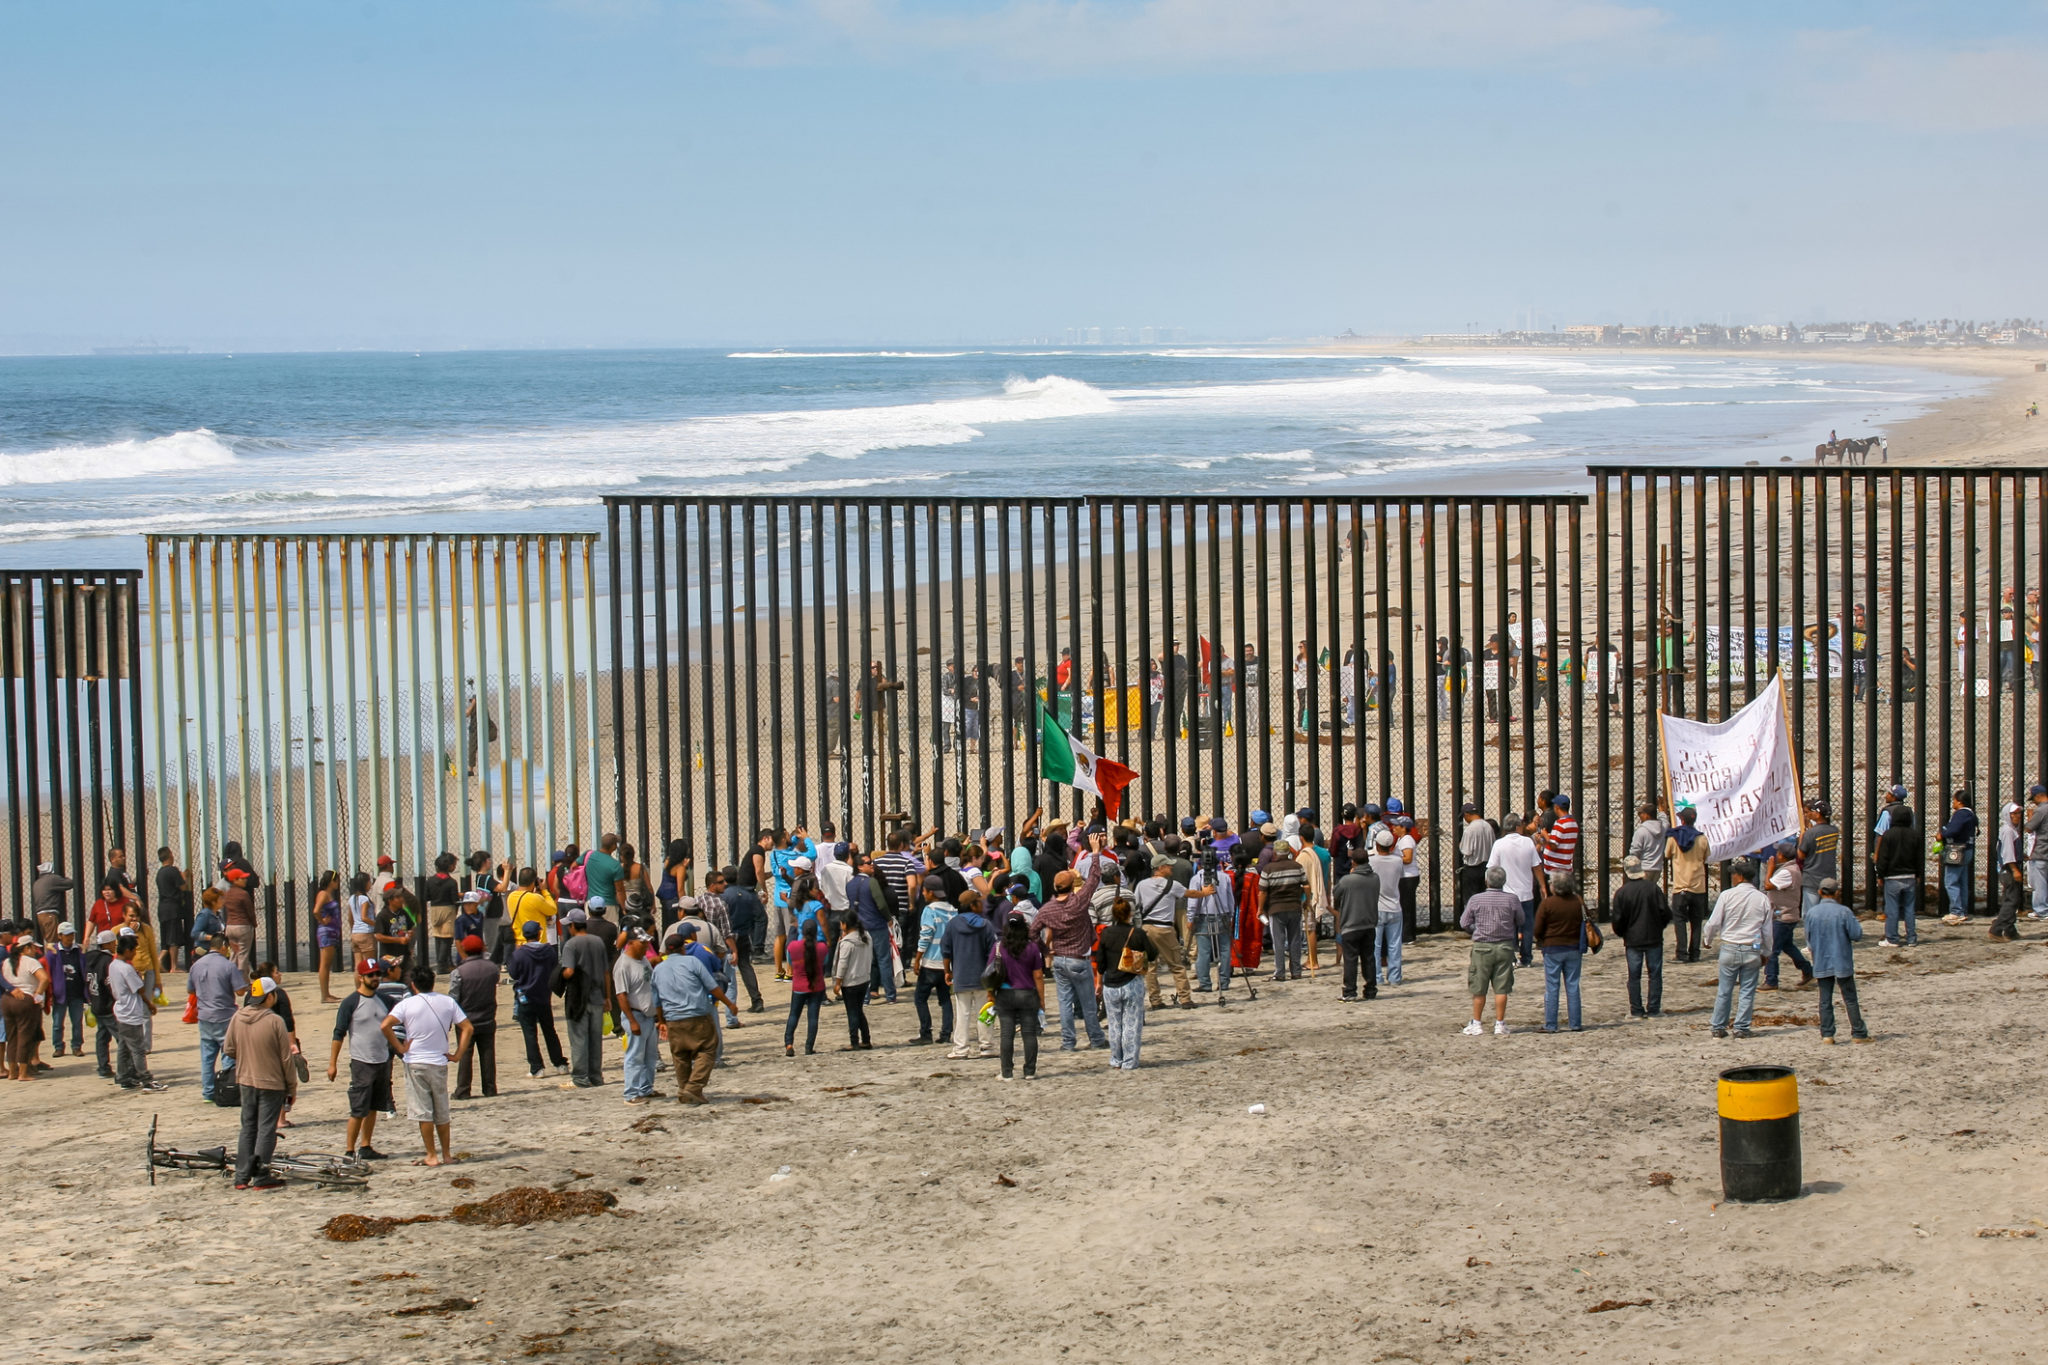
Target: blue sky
[[628, 172]]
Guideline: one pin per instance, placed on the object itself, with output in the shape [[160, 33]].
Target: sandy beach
[[1410, 1194]]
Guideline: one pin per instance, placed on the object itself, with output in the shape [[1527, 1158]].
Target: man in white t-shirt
[[427, 1030], [834, 873], [1515, 854]]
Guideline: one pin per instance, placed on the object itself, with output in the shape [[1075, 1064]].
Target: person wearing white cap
[[23, 984], [132, 1011], [65, 963], [100, 997], [261, 1047]]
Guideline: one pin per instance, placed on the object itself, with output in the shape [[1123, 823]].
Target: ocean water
[[97, 451]]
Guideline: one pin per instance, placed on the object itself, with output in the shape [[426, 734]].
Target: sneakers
[[368, 1154], [1886, 943], [959, 1053], [1501, 1030], [1744, 1033], [1828, 1038], [1474, 1029], [985, 1051], [1720, 1033], [268, 1182]]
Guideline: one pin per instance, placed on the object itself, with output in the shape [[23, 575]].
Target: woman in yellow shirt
[[529, 903]]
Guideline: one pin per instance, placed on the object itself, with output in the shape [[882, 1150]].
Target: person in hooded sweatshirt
[[1900, 858], [966, 944], [1686, 851], [262, 1050]]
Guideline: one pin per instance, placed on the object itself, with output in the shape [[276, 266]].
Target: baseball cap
[[1187, 824], [577, 916], [1830, 886], [1218, 825], [66, 931], [1260, 817], [641, 936], [683, 930], [475, 897], [1394, 806], [1160, 860], [1631, 866], [1269, 829], [104, 936], [842, 850], [1372, 808], [529, 930], [369, 966], [558, 857], [1561, 801], [2037, 790], [800, 861], [1899, 793], [1470, 809], [384, 860], [472, 943], [261, 987], [1384, 839]]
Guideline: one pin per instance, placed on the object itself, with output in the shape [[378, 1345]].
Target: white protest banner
[[1737, 773]]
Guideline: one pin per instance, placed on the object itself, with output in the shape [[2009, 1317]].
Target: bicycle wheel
[[320, 1169]]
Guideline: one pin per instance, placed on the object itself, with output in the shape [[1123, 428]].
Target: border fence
[[710, 667]]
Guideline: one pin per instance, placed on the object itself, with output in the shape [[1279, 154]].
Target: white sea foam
[[178, 453], [848, 355]]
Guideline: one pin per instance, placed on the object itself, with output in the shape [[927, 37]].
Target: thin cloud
[[1054, 36], [1856, 77]]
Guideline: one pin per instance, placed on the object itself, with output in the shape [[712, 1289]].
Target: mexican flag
[[1063, 758]]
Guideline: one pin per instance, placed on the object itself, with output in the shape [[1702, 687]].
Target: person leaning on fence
[[1899, 860], [1741, 924], [2012, 878], [1493, 918], [1831, 930]]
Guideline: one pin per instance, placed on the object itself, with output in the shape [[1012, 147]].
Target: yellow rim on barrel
[[1749, 1101]]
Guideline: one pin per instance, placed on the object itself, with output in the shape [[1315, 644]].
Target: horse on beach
[[1853, 450]]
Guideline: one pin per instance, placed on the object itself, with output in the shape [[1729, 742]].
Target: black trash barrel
[[1759, 1134]]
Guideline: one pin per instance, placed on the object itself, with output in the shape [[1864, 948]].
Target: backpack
[[576, 881]]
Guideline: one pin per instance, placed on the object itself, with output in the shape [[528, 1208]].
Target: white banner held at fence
[[1739, 774]]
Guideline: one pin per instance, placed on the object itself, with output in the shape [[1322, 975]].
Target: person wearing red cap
[[474, 984]]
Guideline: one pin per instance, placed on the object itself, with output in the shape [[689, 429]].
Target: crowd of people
[[993, 940]]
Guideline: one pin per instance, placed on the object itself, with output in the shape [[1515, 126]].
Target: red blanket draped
[[1246, 948]]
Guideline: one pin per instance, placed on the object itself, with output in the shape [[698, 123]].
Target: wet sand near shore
[[1410, 1194]]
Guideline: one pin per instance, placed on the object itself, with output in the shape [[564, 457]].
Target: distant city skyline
[[233, 175]]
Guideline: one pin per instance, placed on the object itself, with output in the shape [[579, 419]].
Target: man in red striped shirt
[[1561, 847]]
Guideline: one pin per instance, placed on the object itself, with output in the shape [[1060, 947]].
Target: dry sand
[[1411, 1194]]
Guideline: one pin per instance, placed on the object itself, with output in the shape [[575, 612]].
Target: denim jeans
[[74, 1010], [1212, 946], [1074, 980], [1387, 949], [1526, 933], [1857, 1029], [930, 980], [642, 1049], [1561, 967], [103, 1042], [1956, 881], [2037, 887], [1648, 961], [131, 1065], [1286, 927], [1809, 896], [1901, 895], [261, 1109], [1740, 967], [803, 1005], [1125, 1006], [1782, 942], [210, 1038]]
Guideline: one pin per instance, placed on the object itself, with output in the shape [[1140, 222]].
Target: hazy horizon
[[644, 174]]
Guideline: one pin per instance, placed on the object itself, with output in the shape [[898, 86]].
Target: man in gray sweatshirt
[[1646, 845], [1357, 894]]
